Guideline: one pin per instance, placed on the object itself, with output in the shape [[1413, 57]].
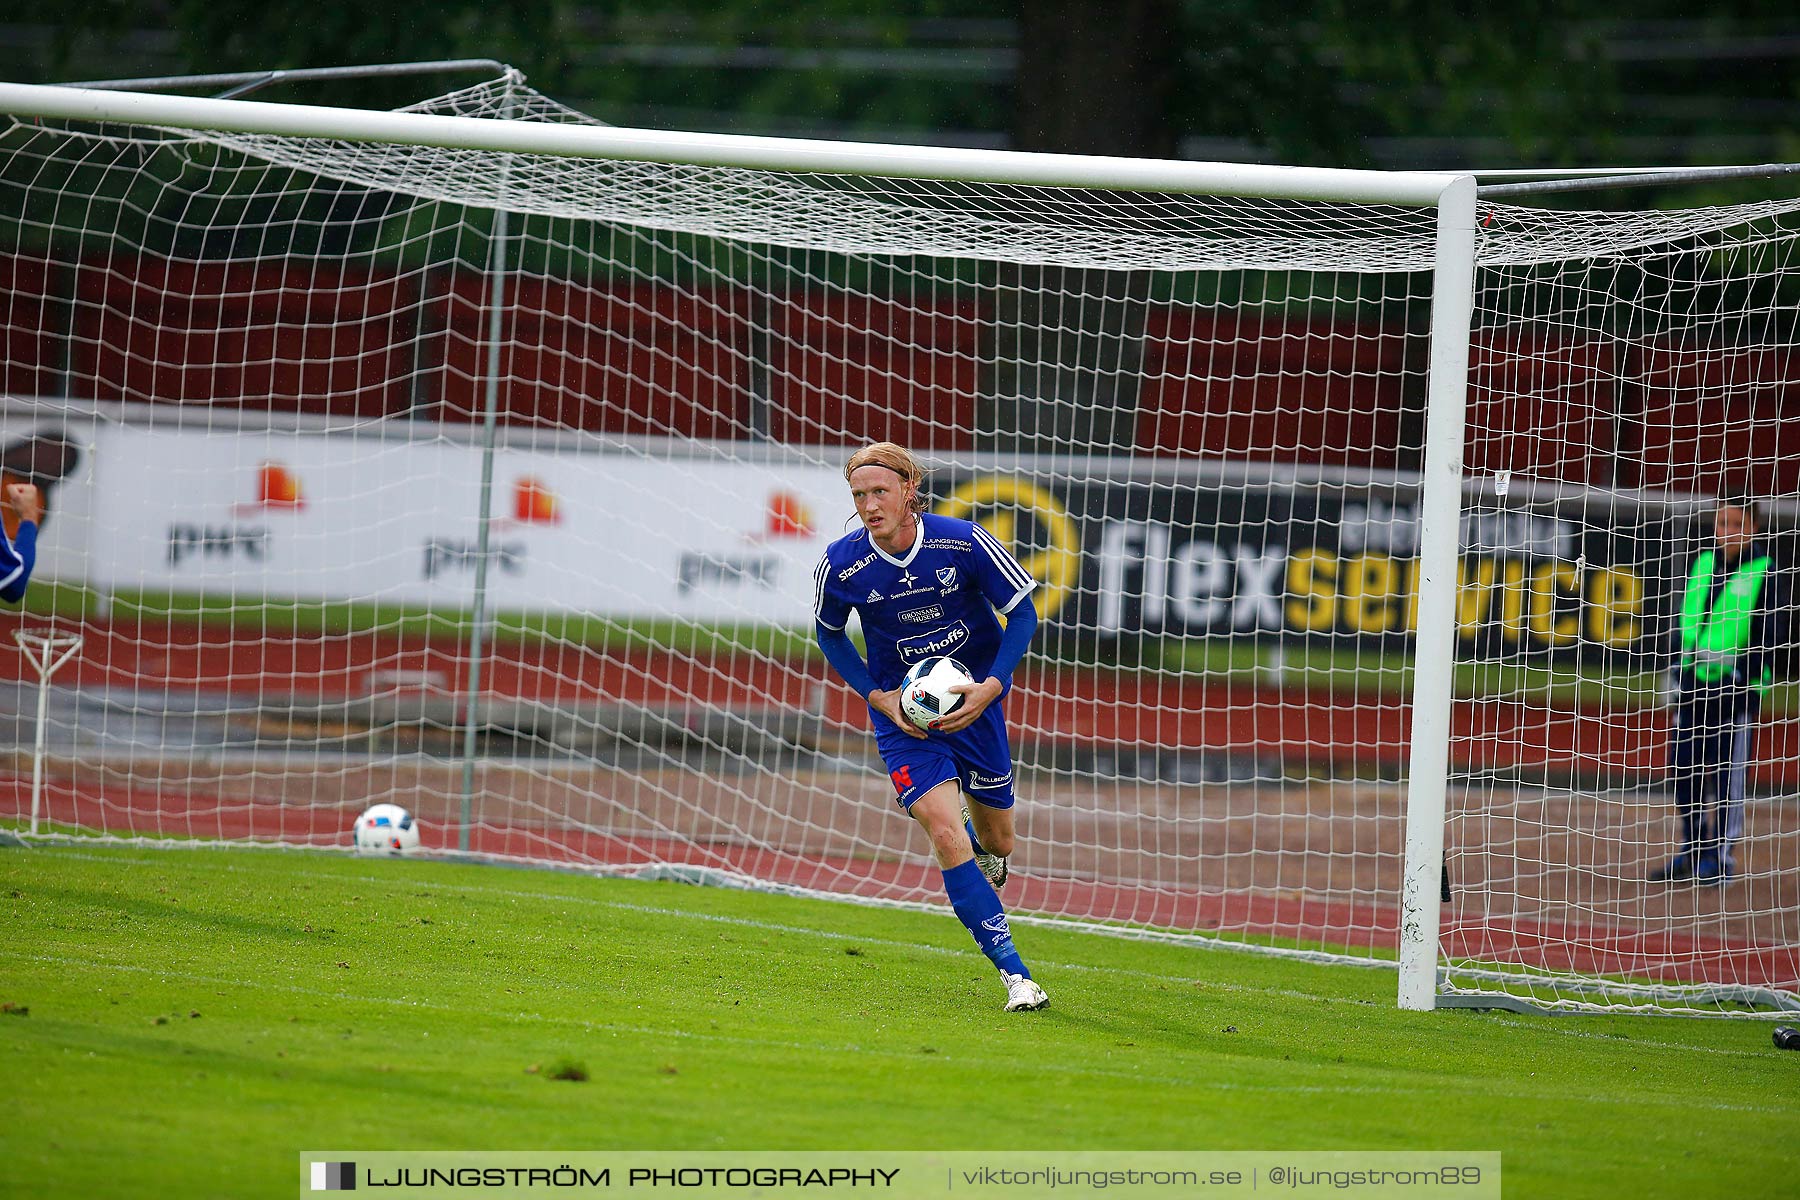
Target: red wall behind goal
[[823, 367]]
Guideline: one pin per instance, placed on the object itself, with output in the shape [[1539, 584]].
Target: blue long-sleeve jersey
[[939, 598], [18, 555]]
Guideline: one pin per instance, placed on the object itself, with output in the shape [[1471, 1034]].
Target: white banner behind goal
[[313, 412]]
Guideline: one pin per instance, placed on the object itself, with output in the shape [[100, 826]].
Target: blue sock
[[973, 840], [978, 908]]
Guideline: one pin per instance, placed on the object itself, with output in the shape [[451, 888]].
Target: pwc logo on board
[[243, 538], [529, 501], [277, 488], [787, 516], [533, 503]]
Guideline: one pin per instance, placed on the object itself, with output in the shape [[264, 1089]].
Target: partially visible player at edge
[[1733, 629], [924, 586], [18, 551]]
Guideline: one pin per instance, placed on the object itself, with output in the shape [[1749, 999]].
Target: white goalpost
[[476, 457]]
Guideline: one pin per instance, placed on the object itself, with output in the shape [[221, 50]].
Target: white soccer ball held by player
[[926, 695]]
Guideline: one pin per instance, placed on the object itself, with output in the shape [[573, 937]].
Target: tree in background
[[1412, 83], [1099, 78], [92, 37]]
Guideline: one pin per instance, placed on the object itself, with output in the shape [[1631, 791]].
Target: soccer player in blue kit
[[926, 586], [18, 553]]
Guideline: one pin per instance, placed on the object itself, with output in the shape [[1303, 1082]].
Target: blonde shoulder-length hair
[[895, 458]]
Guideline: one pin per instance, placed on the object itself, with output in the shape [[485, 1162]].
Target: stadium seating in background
[[31, 341], [844, 370], [631, 359], [1227, 385], [824, 367], [1713, 421], [247, 335], [1541, 407]]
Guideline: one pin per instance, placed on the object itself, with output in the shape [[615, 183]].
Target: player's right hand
[[23, 498], [888, 705]]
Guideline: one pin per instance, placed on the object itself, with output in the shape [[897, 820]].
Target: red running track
[[1101, 709]]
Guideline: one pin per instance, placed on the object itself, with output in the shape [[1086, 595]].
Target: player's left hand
[[976, 698]]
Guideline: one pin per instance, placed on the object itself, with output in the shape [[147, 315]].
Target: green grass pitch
[[184, 1022]]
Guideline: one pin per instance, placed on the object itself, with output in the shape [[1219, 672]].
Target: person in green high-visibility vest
[[1732, 624]]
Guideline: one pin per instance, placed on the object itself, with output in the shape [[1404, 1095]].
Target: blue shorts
[[979, 758]]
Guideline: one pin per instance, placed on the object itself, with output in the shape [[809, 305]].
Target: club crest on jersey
[[947, 576]]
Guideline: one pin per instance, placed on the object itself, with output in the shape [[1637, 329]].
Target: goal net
[[491, 484], [1628, 370]]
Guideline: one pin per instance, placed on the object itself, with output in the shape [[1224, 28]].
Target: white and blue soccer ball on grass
[[386, 829], [925, 694]]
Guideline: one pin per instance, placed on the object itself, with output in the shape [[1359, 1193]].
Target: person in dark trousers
[[1732, 625]]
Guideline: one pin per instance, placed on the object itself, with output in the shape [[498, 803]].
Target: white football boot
[[994, 867], [1022, 994]]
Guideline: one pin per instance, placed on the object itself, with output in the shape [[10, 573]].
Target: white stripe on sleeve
[[1023, 592], [1010, 570], [820, 573]]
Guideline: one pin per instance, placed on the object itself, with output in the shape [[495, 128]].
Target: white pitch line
[[1550, 1024], [776, 927], [1209, 1084]]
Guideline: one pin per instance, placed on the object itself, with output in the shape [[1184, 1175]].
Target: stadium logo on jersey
[[854, 567], [938, 641], [918, 616], [873, 596], [947, 576]]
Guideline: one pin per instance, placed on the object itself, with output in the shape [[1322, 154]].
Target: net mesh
[[1616, 392], [264, 380]]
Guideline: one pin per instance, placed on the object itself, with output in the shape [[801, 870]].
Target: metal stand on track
[[47, 651]]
